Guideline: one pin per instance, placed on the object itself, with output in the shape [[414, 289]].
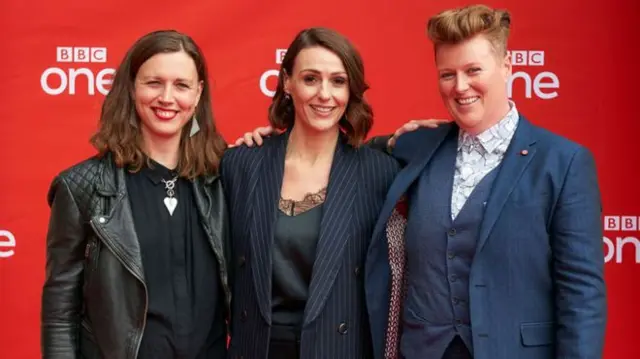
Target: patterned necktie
[[397, 261], [468, 172]]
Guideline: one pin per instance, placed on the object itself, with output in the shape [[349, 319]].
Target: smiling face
[[167, 90], [473, 82], [319, 88]]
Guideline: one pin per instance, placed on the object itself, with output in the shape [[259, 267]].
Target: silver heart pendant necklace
[[170, 201]]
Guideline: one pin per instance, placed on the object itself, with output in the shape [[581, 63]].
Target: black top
[[185, 317], [294, 251]]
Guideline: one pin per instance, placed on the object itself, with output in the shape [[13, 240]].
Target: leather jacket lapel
[[115, 225]]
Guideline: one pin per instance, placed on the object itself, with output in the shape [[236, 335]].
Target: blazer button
[[357, 271], [243, 315], [241, 261], [343, 328], [452, 232]]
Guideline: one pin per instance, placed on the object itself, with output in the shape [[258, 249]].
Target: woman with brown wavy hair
[[136, 246], [302, 210]]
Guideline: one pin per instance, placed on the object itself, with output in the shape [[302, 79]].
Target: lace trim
[[292, 207]]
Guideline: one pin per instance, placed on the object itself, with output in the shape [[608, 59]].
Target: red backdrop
[[576, 75]]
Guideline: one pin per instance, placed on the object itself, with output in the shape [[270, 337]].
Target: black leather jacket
[[94, 300]]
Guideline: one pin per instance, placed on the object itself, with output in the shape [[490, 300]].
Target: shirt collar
[[496, 138], [157, 172]]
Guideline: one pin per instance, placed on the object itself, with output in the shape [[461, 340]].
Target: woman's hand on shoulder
[[254, 137], [412, 126]]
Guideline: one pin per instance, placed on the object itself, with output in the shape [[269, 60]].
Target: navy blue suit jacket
[[335, 319], [536, 285]]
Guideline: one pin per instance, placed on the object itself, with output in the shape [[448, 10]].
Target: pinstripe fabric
[[335, 321]]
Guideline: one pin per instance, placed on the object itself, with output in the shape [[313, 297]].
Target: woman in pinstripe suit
[[302, 210]]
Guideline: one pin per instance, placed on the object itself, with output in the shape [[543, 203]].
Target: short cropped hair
[[454, 26]]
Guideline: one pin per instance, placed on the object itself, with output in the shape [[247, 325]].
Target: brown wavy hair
[[119, 127], [457, 25], [358, 118]]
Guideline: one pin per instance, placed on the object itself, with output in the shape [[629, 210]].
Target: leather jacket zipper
[[91, 256]]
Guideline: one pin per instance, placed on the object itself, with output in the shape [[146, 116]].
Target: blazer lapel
[[518, 156], [335, 227], [116, 229], [265, 183], [408, 175]]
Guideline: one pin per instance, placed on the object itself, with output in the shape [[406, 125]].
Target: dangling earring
[[287, 97], [133, 121], [194, 126]]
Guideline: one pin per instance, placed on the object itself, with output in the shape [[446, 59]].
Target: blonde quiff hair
[[454, 26]]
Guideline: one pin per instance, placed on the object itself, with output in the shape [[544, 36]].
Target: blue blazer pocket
[[412, 321], [413, 325], [537, 334]]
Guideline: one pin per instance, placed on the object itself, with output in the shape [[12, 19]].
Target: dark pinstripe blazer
[[335, 323]]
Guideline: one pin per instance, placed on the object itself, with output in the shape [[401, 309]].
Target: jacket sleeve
[[578, 263], [62, 291], [379, 143]]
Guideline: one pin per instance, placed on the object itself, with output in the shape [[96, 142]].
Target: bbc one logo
[[269, 79], [542, 84], [78, 69], [621, 238], [7, 244]]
